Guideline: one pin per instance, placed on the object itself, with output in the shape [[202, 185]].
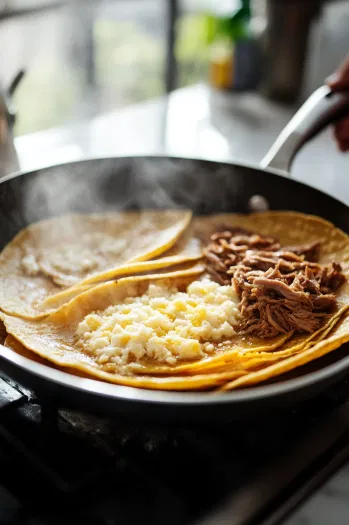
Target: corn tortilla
[[168, 383], [64, 251], [246, 361], [53, 339], [338, 336]]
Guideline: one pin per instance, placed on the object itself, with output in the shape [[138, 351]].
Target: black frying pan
[[162, 182]]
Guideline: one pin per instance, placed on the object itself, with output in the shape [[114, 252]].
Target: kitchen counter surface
[[194, 122], [191, 122]]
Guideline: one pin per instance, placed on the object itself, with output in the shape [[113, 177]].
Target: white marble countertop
[[193, 122]]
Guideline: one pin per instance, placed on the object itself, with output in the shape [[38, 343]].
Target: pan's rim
[[128, 394], [158, 155], [149, 156], [119, 393]]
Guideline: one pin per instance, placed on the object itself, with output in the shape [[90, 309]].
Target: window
[[85, 57], [82, 58]]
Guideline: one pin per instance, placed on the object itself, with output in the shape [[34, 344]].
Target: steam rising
[[117, 184], [98, 186]]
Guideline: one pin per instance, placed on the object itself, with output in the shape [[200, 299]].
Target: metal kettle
[[8, 156]]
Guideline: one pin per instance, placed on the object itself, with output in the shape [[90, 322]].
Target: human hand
[[339, 81]]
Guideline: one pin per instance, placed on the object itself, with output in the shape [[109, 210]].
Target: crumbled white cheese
[[164, 325]]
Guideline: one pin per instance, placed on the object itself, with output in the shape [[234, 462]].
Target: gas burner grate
[[9, 395], [102, 466], [59, 466]]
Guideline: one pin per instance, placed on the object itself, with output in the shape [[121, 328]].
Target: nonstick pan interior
[[159, 182], [153, 182]]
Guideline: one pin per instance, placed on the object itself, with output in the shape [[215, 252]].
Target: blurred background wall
[[84, 57]]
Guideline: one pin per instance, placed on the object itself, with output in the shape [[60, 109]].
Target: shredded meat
[[281, 289]]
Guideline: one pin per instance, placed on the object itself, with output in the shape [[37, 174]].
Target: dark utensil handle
[[15, 82], [322, 108]]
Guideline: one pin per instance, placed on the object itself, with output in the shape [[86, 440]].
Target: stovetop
[[59, 467]]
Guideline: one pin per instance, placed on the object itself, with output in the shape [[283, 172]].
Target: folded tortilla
[[60, 255], [239, 363]]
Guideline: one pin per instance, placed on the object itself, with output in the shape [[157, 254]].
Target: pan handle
[[322, 108]]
